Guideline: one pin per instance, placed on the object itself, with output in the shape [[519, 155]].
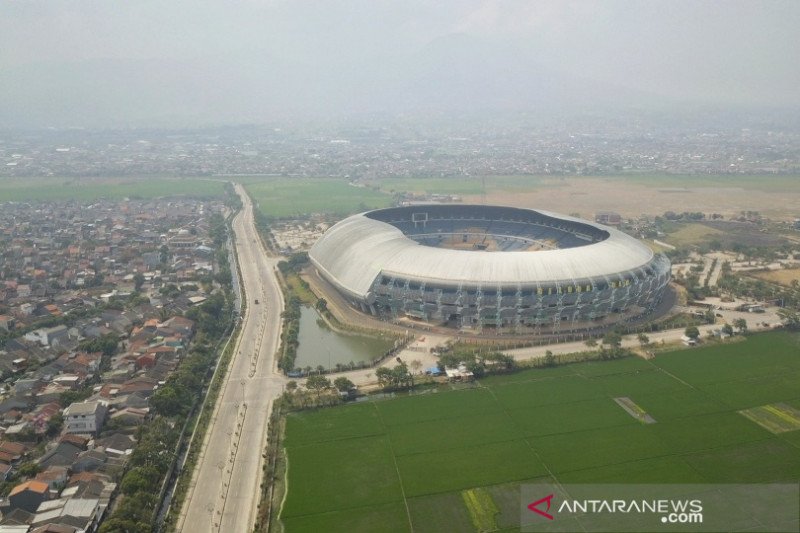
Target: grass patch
[[341, 474], [300, 289], [481, 507], [570, 417], [440, 435], [440, 512], [462, 404], [287, 197], [783, 277], [386, 517], [778, 418], [310, 427], [89, 189], [467, 186], [462, 468], [690, 234], [452, 449]]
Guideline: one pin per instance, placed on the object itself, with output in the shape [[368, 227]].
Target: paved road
[[224, 492]]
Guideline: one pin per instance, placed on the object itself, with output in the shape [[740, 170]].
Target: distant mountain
[[453, 74]]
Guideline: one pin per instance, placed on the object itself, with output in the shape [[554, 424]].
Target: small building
[[48, 336], [84, 417], [610, 218], [6, 322], [29, 495]]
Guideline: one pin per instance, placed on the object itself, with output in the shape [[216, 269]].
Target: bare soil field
[[587, 195], [781, 277]]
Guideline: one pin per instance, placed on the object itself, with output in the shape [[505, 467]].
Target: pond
[[320, 345]]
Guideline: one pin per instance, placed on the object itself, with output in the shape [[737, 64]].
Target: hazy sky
[[87, 62]]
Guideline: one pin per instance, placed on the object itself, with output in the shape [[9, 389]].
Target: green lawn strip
[[775, 418], [579, 450], [533, 374], [441, 405], [341, 474], [437, 435], [481, 508], [388, 517], [51, 189], [623, 367], [488, 464], [665, 469], [760, 355], [768, 460], [547, 392], [440, 512], [569, 417], [704, 432], [348, 421], [753, 392], [506, 496], [639, 382], [671, 405], [285, 197]]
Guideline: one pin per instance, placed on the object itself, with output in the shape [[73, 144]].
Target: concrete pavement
[[225, 488]]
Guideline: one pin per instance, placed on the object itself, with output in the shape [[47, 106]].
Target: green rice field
[[453, 460], [89, 189], [289, 197]]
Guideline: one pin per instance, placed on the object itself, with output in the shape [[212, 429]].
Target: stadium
[[473, 267]]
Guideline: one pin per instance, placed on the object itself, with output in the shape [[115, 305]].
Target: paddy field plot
[[89, 189], [454, 459]]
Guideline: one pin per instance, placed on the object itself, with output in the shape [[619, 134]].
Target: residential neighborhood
[[96, 303]]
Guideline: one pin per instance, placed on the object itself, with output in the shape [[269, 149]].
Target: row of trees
[[290, 333], [148, 464], [317, 392]]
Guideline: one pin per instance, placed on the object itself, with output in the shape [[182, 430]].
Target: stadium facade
[[477, 266]]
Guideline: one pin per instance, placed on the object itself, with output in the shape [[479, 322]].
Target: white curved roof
[[352, 253]]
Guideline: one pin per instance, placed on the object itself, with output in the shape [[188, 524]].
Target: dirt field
[[781, 277], [631, 198]]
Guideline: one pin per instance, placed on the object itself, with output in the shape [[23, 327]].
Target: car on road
[[256, 301]]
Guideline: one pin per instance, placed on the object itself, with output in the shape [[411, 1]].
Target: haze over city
[[199, 63], [458, 266]]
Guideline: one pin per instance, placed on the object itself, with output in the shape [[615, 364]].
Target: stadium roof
[[356, 250]]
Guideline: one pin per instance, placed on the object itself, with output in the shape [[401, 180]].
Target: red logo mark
[[533, 507]]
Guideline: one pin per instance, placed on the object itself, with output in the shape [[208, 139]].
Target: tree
[[107, 344], [416, 365], [55, 424], [790, 317], [343, 384], [613, 339], [741, 325], [321, 305], [29, 469], [644, 340], [318, 383], [291, 386], [138, 281], [549, 359], [591, 343], [727, 329], [401, 377], [692, 332], [384, 376]]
